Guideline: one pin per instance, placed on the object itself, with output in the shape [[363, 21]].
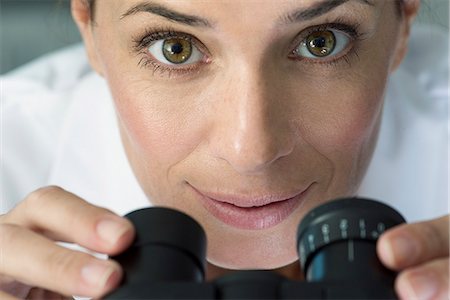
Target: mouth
[[252, 213]]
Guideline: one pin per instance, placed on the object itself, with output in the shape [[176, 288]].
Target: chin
[[247, 249], [253, 263]]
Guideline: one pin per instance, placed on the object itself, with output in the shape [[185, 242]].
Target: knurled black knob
[[347, 219]]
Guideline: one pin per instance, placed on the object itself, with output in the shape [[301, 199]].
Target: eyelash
[[143, 41], [351, 29]]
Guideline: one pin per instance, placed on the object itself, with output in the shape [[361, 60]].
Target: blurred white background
[[30, 28]]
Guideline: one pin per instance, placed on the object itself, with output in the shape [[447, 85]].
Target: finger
[[11, 286], [63, 216], [41, 294], [428, 281], [412, 244], [37, 261], [5, 296]]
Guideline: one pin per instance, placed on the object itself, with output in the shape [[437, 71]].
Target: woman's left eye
[[322, 44], [175, 51]]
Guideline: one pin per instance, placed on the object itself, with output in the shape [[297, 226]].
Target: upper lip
[[247, 201]]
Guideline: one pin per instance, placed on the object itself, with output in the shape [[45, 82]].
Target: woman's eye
[[322, 43], [175, 51]]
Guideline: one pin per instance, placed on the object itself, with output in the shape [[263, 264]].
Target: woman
[[243, 114]]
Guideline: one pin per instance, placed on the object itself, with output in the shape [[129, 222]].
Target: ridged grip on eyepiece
[[170, 229], [343, 220]]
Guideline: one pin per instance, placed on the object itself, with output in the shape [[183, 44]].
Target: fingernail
[[110, 231], [422, 286], [97, 274], [404, 249]]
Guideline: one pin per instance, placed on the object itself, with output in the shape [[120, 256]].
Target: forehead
[[213, 11]]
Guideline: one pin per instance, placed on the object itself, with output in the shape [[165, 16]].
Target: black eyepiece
[[337, 250], [169, 246], [337, 240]]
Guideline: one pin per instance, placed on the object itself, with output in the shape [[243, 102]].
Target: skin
[[257, 139], [186, 129], [284, 119]]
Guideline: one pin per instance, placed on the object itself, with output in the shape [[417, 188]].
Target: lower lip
[[253, 218]]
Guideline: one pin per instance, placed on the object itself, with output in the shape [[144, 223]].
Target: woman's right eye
[[175, 51]]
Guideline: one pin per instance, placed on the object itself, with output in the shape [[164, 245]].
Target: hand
[[420, 253], [33, 265]]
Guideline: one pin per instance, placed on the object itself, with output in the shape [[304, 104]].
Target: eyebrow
[[318, 10], [171, 15], [303, 14]]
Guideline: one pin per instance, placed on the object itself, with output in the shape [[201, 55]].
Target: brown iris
[[321, 43], [177, 50]]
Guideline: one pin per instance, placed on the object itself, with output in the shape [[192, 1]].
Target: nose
[[253, 127]]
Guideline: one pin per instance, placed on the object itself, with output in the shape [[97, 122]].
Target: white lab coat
[[59, 127]]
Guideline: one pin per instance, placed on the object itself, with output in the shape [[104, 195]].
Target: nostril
[[254, 156], [252, 130]]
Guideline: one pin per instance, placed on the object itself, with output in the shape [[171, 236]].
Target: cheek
[[158, 129], [346, 138], [345, 117], [342, 126], [347, 126]]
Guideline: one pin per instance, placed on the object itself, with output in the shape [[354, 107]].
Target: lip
[[252, 213]]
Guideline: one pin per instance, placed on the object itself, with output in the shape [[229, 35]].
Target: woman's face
[[246, 114]]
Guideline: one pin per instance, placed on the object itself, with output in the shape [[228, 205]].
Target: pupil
[[320, 42], [177, 48]]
